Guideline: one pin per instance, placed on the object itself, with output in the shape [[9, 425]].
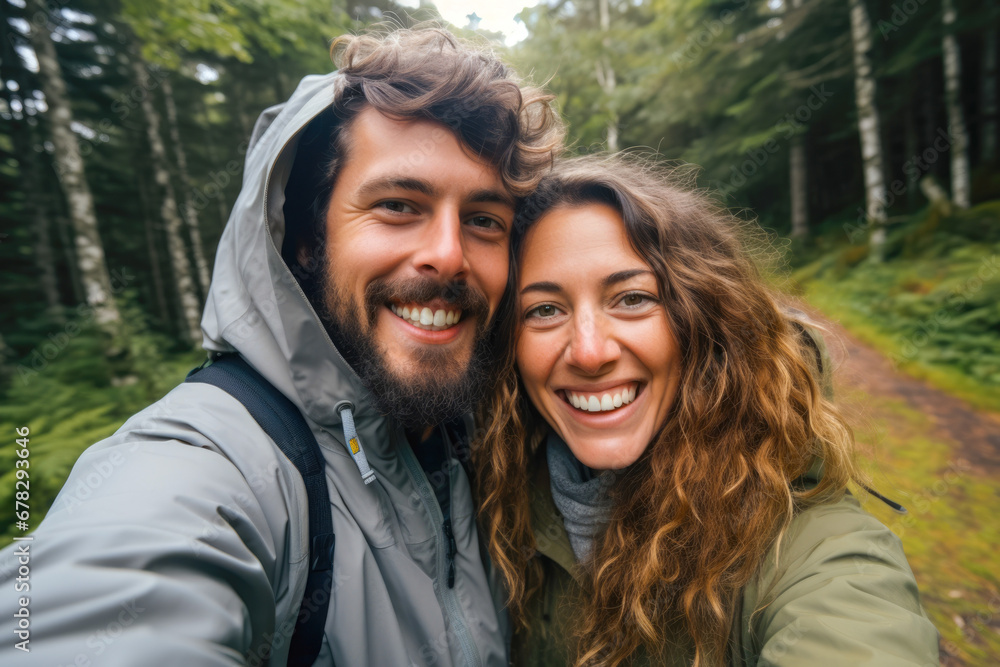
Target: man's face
[[417, 238]]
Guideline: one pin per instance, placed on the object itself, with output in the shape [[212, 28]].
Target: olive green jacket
[[840, 593]]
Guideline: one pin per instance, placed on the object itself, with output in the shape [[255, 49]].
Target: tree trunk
[[154, 255], [910, 141], [69, 166], [213, 158], [606, 76], [956, 116], [988, 106], [31, 180], [798, 185], [35, 203], [190, 211], [869, 128], [66, 240], [183, 279]]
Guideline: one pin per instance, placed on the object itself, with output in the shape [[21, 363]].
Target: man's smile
[[426, 316]]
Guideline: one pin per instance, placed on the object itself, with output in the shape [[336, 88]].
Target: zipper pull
[[450, 550]]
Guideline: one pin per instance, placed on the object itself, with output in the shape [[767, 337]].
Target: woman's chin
[[606, 451]]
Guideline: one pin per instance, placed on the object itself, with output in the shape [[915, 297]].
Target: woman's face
[[595, 350]]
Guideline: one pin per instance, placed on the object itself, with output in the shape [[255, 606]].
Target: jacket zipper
[[445, 561]]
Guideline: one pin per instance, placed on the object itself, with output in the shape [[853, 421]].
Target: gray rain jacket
[[182, 539]]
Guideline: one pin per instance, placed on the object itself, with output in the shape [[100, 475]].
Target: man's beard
[[438, 389]]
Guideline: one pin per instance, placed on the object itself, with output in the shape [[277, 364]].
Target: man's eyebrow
[[542, 287], [487, 196], [622, 276], [377, 185]]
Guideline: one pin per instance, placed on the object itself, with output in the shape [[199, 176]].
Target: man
[[360, 271]]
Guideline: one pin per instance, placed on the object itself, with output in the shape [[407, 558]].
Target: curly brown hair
[[695, 517]]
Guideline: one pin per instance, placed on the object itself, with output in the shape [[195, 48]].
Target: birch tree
[[190, 305], [89, 251], [606, 75], [30, 173], [190, 210], [953, 99], [869, 127], [988, 98], [797, 183]]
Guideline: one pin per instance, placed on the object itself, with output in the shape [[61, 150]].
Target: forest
[[860, 135]]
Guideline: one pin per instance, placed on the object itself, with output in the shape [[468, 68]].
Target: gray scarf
[[580, 496]]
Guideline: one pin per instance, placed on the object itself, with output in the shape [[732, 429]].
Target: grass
[[932, 307], [829, 298], [950, 532]]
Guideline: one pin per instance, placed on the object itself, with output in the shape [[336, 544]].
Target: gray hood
[[255, 306]]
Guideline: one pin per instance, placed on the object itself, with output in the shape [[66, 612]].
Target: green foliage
[[933, 308], [70, 395]]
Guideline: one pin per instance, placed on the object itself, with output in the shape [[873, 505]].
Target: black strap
[[284, 424]]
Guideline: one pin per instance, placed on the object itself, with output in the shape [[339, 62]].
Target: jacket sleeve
[[841, 593], [157, 551]]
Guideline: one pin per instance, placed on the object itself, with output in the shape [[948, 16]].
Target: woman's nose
[[593, 347]]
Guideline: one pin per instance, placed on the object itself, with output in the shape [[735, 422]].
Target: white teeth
[[604, 402], [425, 318]]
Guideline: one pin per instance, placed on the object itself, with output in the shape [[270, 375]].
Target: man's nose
[[593, 348], [441, 253]]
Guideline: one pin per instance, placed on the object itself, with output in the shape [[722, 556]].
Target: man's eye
[[544, 311], [484, 222], [396, 206]]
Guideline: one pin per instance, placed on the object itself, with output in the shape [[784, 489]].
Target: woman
[[662, 480]]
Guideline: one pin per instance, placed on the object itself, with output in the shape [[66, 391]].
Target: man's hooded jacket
[[183, 538]]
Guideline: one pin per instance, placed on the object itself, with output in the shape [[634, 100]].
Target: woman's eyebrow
[[608, 281], [542, 287], [622, 276]]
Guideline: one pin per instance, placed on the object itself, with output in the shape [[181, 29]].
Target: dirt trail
[[974, 433]]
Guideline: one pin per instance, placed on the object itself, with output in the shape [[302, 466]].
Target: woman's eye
[[396, 206], [544, 311], [633, 299], [636, 300]]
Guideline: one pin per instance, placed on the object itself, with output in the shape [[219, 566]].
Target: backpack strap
[[284, 424]]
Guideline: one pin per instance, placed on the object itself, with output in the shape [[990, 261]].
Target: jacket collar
[[547, 523]]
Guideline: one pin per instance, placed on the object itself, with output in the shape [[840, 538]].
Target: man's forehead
[[389, 152]]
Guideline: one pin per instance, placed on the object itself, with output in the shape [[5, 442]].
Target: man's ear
[[302, 255]]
